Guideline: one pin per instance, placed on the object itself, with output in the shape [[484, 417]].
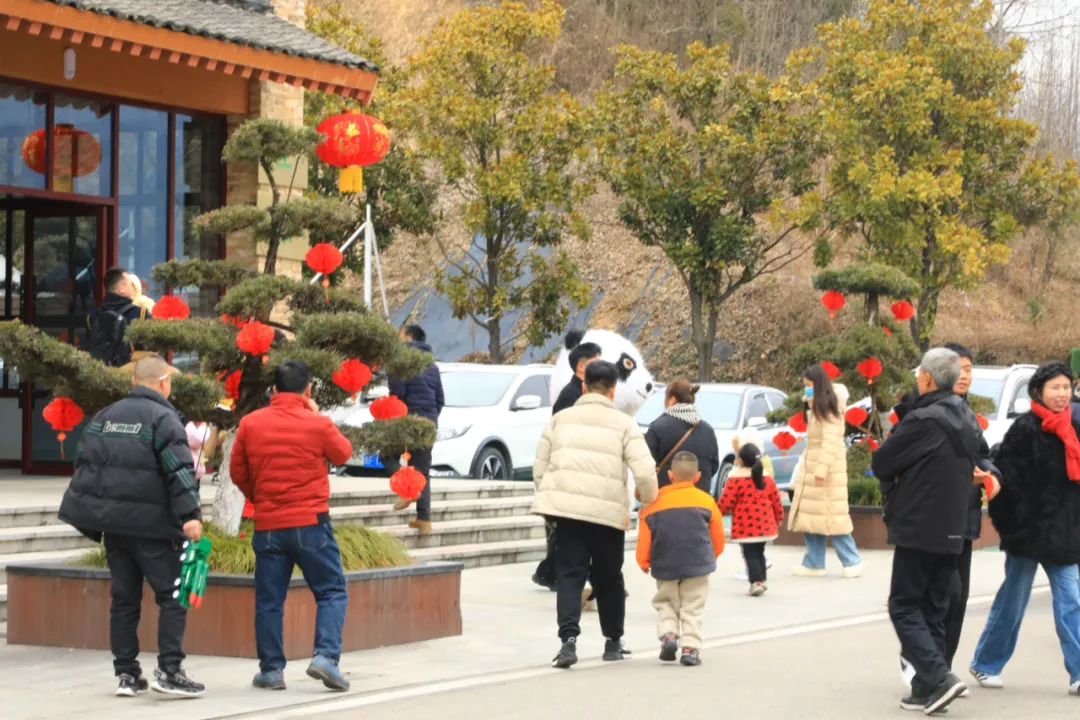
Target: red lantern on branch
[[232, 384], [797, 422], [408, 482], [983, 422], [894, 419], [234, 320], [902, 311], [388, 408], [856, 416], [831, 370], [255, 338], [324, 258], [833, 301], [352, 376], [353, 140], [171, 308], [63, 415], [76, 153], [870, 368], [784, 441], [871, 442]]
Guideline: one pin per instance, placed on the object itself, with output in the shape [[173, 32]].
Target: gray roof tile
[[243, 22]]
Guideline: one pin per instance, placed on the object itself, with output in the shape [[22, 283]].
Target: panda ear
[[573, 339]]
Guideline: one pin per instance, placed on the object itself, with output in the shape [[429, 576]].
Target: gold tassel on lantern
[[351, 179]]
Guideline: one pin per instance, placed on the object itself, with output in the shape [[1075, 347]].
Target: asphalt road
[[837, 673]]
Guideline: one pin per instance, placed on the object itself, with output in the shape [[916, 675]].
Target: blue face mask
[[808, 392]]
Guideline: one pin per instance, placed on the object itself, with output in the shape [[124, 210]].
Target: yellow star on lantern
[[352, 130]]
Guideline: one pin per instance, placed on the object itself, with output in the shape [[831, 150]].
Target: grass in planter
[[361, 549]]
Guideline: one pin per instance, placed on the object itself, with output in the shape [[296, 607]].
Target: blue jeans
[[998, 639], [316, 551], [844, 545]]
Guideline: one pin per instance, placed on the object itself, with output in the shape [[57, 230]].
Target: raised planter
[[68, 606], [870, 533]]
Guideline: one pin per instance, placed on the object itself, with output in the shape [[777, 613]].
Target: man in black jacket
[[134, 484], [926, 469], [423, 395], [108, 322]]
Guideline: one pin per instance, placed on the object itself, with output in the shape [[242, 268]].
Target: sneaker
[[742, 575], [1074, 689], [991, 682], [911, 702], [945, 692], [269, 680], [567, 654], [132, 685], [907, 671], [851, 571], [803, 571], [615, 650], [690, 657], [325, 669], [669, 647], [176, 683], [757, 589], [544, 582]]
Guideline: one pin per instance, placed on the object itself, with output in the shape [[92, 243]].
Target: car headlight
[[451, 433]]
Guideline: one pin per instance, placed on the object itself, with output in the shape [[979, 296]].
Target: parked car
[[731, 409], [490, 426]]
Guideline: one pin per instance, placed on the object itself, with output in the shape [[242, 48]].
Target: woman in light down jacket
[[819, 508]]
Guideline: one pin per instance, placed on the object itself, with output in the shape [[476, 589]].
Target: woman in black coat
[[1037, 515], [681, 416]]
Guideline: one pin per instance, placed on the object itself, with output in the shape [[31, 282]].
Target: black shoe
[[669, 647], [614, 650], [132, 685], [544, 582], [912, 702], [567, 655], [944, 693], [176, 683]]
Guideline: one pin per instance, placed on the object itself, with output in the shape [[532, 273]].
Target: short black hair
[[113, 278], [292, 376], [584, 351], [601, 376], [1046, 373], [961, 350], [415, 333]]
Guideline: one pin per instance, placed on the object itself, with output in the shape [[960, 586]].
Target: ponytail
[[750, 456]]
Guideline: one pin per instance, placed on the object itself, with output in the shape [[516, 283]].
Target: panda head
[[635, 380]]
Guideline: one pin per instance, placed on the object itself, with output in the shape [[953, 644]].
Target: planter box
[[68, 606], [870, 534]]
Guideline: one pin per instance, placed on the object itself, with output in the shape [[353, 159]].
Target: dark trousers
[[923, 586], [954, 620], [131, 560], [545, 570], [421, 460], [578, 544], [314, 549], [754, 555]]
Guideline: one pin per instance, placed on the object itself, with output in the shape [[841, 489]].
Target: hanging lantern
[[255, 338], [249, 510], [408, 482], [76, 153], [232, 384], [234, 320], [831, 370], [797, 422], [324, 258], [388, 408], [869, 368], [888, 332], [63, 415], [983, 422], [856, 416], [902, 311], [353, 140], [352, 376], [784, 441], [833, 301], [871, 442], [894, 419], [171, 308]]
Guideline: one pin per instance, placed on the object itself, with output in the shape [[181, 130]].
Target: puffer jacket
[[423, 394], [755, 513], [666, 432], [582, 460], [820, 504]]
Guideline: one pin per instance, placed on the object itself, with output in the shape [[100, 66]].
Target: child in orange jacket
[[751, 498], [680, 535]]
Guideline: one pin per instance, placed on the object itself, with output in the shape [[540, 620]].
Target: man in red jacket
[[279, 462]]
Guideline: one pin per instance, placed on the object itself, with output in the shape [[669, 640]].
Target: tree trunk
[[922, 325], [873, 308], [228, 501], [494, 328], [270, 266], [697, 335]]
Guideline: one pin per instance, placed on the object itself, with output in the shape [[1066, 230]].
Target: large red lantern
[[784, 441], [869, 368], [255, 338], [902, 311], [324, 258], [797, 422], [352, 376], [388, 408], [833, 301], [408, 482], [856, 416], [353, 140], [831, 370], [171, 308], [75, 153], [232, 383], [63, 415], [983, 422]]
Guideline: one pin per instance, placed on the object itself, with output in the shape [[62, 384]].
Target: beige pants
[[681, 602]]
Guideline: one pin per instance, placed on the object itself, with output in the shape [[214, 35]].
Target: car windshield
[[719, 409], [467, 389], [988, 388]]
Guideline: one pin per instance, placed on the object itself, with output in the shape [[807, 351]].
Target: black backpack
[[107, 331]]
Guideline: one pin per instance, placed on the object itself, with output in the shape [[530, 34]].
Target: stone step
[[43, 538], [381, 516], [52, 556], [469, 532]]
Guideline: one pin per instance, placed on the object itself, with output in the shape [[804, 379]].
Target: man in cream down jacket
[[580, 471]]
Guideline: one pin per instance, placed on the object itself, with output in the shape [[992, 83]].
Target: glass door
[[61, 286]]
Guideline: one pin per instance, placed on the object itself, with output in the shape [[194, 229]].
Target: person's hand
[[985, 478], [313, 405], [193, 529]]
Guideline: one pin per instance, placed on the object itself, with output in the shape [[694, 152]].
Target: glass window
[[776, 399], [82, 154], [991, 388], [198, 190], [652, 409], [536, 385], [475, 388], [144, 202], [22, 113], [720, 409], [758, 408]]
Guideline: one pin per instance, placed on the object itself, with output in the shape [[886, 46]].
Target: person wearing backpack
[[109, 321]]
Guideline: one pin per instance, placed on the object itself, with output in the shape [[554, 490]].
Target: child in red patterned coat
[[751, 498]]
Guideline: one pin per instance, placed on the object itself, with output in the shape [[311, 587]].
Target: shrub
[[863, 488]]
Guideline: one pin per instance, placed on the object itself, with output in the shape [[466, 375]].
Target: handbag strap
[[677, 446]]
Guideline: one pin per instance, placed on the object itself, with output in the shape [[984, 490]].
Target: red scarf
[[1060, 424]]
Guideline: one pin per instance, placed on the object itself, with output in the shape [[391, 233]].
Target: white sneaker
[[852, 571], [803, 571], [1074, 689], [742, 575], [907, 671], [992, 682]]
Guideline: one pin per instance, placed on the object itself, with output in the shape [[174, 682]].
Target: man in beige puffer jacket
[[580, 471]]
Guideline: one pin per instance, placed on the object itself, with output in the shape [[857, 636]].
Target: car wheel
[[491, 464], [721, 479]]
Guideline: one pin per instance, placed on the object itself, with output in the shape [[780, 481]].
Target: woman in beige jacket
[[819, 508]]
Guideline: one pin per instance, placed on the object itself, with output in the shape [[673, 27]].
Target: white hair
[[943, 365]]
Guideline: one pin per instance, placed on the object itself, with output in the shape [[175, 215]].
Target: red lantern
[[983, 422], [255, 338], [234, 320], [388, 408], [894, 419], [797, 422], [232, 384], [249, 510], [408, 482], [868, 440], [784, 441], [353, 140], [869, 368], [324, 258], [902, 311], [833, 301], [856, 416], [75, 153], [831, 370], [63, 415], [352, 376], [888, 332], [171, 308]]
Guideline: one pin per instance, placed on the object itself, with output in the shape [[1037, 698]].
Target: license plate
[[372, 461]]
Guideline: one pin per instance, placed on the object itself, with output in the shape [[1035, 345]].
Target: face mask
[[808, 392]]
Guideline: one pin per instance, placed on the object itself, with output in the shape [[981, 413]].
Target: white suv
[[1008, 388]]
